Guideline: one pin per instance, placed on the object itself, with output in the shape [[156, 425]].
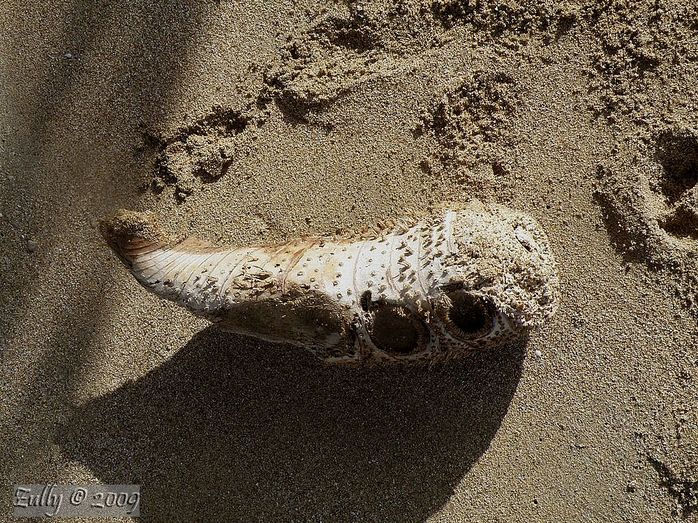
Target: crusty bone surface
[[461, 279]]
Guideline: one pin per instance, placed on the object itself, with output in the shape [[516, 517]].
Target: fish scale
[[461, 279]]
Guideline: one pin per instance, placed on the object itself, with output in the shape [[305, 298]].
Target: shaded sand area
[[260, 121]]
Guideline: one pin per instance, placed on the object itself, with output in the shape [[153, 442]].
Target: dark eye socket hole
[[394, 330], [469, 313]]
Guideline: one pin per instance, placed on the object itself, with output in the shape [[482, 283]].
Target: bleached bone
[[461, 279]]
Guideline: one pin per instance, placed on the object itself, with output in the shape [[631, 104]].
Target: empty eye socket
[[467, 312], [396, 330], [470, 314]]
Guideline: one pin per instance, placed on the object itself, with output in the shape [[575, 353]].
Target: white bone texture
[[437, 287]]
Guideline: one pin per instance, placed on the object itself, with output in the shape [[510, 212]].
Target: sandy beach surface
[[251, 120]]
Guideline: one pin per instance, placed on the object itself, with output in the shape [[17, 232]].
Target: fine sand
[[253, 120]]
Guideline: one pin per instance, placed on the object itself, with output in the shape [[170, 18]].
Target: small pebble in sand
[[68, 56], [538, 354], [32, 245]]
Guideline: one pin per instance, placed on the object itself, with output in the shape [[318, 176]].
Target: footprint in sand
[[347, 45], [204, 150], [470, 127], [677, 152], [650, 206]]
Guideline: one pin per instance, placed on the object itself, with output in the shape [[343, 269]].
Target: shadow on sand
[[233, 429]]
